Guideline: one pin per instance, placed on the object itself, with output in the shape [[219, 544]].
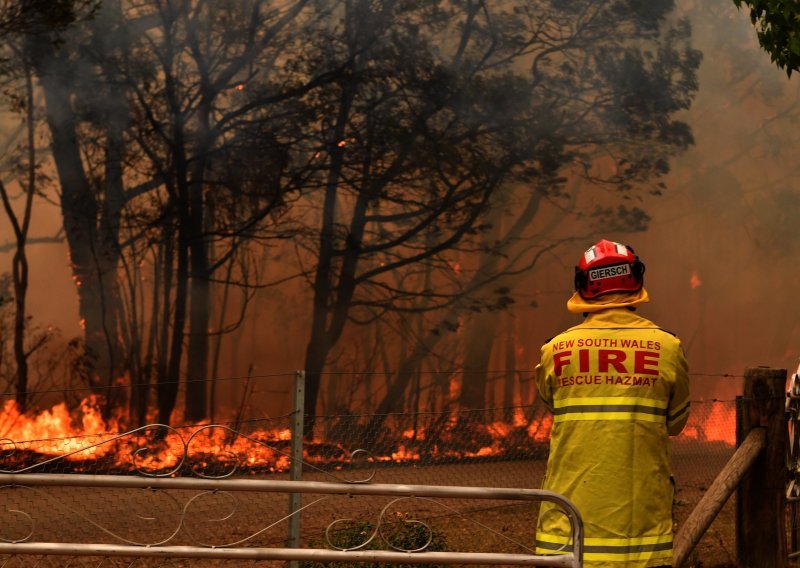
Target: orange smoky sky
[[721, 263]]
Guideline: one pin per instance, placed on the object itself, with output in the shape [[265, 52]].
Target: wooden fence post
[[761, 496]]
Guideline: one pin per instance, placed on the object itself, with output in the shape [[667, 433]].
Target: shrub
[[403, 534]]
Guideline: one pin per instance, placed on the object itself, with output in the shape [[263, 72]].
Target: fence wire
[[500, 447]]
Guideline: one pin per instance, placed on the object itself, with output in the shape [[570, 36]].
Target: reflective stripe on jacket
[[618, 387]]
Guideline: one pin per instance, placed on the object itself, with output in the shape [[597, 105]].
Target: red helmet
[[608, 267]]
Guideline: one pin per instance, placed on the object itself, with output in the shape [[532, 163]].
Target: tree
[[21, 226], [418, 135], [427, 133], [409, 150], [222, 130], [777, 24], [91, 222], [19, 21], [171, 125]]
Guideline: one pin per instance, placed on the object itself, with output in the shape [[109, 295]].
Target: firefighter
[[618, 387]]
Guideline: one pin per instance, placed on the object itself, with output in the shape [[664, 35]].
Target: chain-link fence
[[500, 447]]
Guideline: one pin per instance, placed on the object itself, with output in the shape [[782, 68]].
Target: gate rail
[[569, 558]]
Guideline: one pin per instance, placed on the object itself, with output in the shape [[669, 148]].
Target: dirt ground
[[186, 518]]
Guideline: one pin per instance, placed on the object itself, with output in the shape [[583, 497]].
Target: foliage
[[402, 534], [777, 24], [380, 138], [25, 17]]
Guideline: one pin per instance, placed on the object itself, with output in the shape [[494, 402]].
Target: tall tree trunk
[[20, 260], [141, 393], [168, 389], [20, 276], [92, 262], [399, 384], [110, 252], [480, 340], [200, 293], [511, 367], [223, 309], [164, 340], [319, 343], [482, 327], [182, 194]]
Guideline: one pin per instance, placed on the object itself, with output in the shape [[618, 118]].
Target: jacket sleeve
[[678, 411], [544, 376]]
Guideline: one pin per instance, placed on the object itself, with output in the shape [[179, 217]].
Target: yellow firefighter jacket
[[618, 386]]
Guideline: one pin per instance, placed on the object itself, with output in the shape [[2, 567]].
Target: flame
[[716, 425], [454, 389], [88, 436], [403, 454], [53, 429], [88, 441], [695, 281]]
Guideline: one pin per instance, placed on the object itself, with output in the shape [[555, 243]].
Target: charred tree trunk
[[140, 395], [93, 252], [20, 276], [20, 282], [168, 388], [197, 351], [319, 343], [164, 339], [200, 314], [482, 327], [511, 366], [400, 383], [20, 259], [316, 353], [109, 229], [223, 309], [478, 348]]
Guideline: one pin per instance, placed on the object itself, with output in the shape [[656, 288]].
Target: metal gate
[[188, 504], [29, 545]]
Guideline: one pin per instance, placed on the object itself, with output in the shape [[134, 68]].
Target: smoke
[[722, 246], [719, 247]]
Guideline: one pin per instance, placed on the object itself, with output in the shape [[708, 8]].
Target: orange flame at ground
[[85, 438], [718, 424], [52, 429]]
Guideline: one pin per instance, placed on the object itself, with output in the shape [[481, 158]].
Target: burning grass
[[55, 440]]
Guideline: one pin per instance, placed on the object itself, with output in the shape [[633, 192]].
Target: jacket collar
[[579, 305], [616, 317]]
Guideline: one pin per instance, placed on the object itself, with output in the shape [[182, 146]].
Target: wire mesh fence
[[499, 447]]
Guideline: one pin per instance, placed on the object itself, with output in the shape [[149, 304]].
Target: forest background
[[202, 197]]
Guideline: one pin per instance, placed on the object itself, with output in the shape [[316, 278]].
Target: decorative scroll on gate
[[213, 497]]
